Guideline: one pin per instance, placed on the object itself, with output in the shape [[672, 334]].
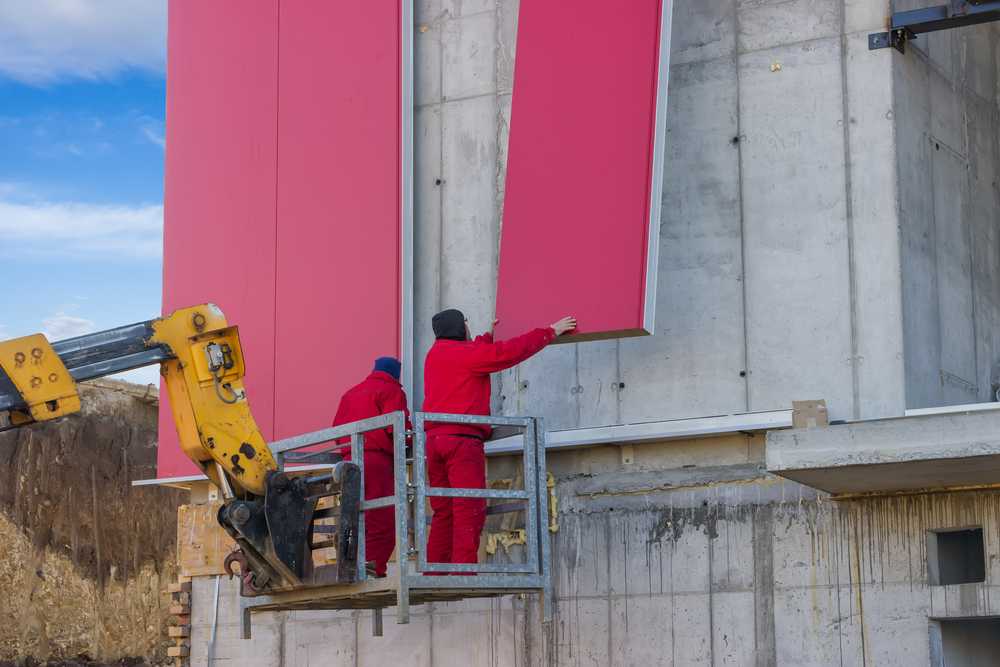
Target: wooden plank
[[178, 651], [202, 544], [179, 631], [180, 610]]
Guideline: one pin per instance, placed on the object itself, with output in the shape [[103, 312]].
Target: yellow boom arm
[[201, 362]]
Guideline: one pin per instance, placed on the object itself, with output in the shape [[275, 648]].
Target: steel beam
[[97, 355], [905, 26]]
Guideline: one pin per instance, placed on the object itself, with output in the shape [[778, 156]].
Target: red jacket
[[378, 394], [457, 375]]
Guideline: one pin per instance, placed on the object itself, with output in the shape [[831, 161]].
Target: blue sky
[[82, 96]]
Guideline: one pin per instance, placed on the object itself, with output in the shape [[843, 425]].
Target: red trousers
[[456, 462], [380, 524]]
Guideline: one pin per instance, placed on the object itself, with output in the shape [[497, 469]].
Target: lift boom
[[267, 512], [271, 513]]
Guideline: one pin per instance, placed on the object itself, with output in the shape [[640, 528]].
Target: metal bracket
[[904, 26], [894, 38]]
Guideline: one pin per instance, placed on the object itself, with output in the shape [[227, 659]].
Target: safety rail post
[[402, 504], [419, 487], [423, 491], [358, 459], [544, 545], [531, 519]]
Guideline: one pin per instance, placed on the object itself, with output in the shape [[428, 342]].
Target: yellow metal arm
[[267, 512], [204, 384], [202, 366]]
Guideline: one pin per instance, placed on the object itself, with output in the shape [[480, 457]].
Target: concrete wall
[[655, 564], [779, 270], [948, 147]]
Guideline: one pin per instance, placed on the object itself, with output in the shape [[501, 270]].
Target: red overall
[[378, 394], [457, 381]]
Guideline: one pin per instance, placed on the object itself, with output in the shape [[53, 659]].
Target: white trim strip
[[951, 409], [185, 481], [659, 158], [650, 431], [406, 345]]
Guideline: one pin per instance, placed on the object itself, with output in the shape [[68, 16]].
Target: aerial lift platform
[[277, 507], [412, 579]]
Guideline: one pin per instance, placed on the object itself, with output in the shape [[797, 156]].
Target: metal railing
[[414, 571]]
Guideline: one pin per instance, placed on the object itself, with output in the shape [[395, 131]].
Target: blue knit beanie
[[388, 365]]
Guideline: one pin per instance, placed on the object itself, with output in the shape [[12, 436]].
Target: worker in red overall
[[378, 394], [457, 381]]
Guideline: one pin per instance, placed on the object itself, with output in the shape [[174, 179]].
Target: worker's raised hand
[[565, 325]]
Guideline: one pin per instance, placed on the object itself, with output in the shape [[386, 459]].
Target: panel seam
[[852, 276], [274, 309], [742, 213]]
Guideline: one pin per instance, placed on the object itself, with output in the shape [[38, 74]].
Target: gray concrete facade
[[657, 564], [829, 231]]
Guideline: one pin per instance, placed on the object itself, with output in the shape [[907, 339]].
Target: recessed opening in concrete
[[966, 642], [955, 556]]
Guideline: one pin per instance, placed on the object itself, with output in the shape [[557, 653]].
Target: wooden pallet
[[179, 629], [372, 594]]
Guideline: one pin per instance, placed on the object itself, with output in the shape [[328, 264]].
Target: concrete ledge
[[934, 451]]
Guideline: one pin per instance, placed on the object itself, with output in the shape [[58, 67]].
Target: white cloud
[[61, 326], [155, 138], [43, 41], [97, 231], [152, 129]]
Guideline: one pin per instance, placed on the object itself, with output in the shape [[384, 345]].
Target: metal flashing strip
[[659, 158], [650, 431], [951, 409], [406, 341]]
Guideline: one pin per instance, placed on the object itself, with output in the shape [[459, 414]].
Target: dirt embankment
[[85, 555]]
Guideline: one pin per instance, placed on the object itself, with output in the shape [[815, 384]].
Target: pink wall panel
[[583, 167], [284, 193], [219, 209], [339, 183]]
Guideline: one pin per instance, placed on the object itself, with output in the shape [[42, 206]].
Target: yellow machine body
[[210, 408]]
